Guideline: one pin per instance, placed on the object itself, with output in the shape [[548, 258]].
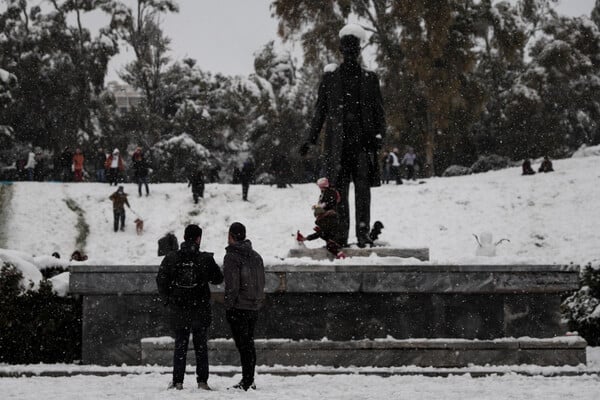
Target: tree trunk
[[429, 146]]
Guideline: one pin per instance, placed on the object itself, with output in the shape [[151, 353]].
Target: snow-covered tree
[[60, 68]]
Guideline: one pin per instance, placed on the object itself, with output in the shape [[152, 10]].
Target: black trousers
[[182, 339], [242, 323], [119, 216], [113, 176], [355, 168], [410, 172], [245, 187]]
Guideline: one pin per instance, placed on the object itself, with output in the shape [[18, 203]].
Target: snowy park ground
[[405, 382], [548, 218]]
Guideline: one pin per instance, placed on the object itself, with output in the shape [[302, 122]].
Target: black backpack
[[166, 244], [189, 277]]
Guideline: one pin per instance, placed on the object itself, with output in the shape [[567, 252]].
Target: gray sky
[[222, 35]]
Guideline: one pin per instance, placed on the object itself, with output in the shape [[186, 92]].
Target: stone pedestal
[[421, 254], [339, 302]]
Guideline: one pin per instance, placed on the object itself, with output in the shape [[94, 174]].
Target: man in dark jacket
[[182, 281], [244, 295], [196, 181], [246, 176], [119, 200], [349, 99]]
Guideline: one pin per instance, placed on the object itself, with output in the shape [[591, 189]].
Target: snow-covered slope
[[548, 218]]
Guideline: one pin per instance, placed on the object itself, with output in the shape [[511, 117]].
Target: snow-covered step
[[438, 353]]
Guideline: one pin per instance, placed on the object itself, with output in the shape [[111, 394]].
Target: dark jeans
[[396, 175], [410, 171], [355, 168], [245, 187], [197, 193], [142, 180], [119, 215], [182, 340], [100, 175], [242, 323]]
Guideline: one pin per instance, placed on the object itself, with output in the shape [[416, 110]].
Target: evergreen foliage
[[36, 325], [582, 308]]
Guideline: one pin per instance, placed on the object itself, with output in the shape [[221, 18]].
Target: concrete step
[[438, 353]]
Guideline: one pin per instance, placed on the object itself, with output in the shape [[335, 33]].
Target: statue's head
[[351, 37]]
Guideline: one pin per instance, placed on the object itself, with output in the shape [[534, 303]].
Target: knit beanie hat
[[323, 183], [237, 231], [192, 232]]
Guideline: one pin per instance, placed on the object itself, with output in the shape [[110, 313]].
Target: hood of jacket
[[244, 247]]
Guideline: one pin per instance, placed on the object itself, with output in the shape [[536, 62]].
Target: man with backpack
[[182, 281]]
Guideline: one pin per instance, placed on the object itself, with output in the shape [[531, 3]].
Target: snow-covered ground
[[548, 218], [153, 386]]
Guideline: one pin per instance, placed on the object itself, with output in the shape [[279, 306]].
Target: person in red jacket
[[78, 160]]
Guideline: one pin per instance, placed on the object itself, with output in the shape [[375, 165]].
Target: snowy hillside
[[548, 218]]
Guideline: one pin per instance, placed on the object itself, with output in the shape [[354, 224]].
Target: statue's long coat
[[330, 110]]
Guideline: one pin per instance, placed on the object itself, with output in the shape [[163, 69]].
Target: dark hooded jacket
[[244, 277], [211, 273], [330, 110]]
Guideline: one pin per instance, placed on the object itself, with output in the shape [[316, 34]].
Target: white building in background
[[125, 95]]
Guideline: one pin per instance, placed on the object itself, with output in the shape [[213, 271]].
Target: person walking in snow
[[114, 164], [29, 167], [196, 181], [140, 170], [244, 295], [409, 161], [182, 281], [246, 177], [99, 164], [78, 160], [119, 200], [350, 104], [65, 162], [395, 166]]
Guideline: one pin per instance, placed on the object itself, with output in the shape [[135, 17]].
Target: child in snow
[[329, 197], [327, 228]]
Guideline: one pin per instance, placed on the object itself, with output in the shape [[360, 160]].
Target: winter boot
[[241, 386], [177, 386], [204, 386], [363, 238]]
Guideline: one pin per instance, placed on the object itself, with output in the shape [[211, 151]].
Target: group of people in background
[[545, 166], [393, 165]]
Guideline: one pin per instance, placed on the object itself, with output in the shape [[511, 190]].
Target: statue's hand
[[304, 149]]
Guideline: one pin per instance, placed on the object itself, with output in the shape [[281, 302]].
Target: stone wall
[[120, 304]]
